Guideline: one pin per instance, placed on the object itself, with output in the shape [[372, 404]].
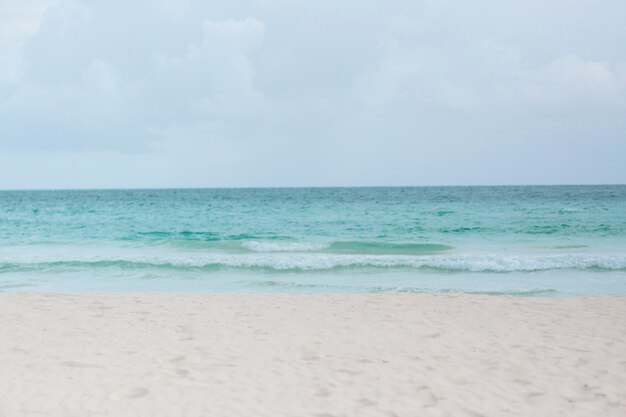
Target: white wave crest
[[468, 263], [280, 260]]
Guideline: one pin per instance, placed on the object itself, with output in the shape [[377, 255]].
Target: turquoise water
[[530, 240]]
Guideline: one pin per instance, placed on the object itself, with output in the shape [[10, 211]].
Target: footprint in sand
[[73, 364], [180, 372], [131, 393]]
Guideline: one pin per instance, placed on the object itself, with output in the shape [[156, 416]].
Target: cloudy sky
[[196, 93]]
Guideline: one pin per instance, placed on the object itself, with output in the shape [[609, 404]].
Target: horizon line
[[305, 187]]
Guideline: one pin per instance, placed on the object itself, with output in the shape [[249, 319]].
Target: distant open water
[[530, 240]]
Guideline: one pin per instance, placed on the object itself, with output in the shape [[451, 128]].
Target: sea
[[545, 241]]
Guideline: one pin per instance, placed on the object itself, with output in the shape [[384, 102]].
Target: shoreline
[[255, 354]]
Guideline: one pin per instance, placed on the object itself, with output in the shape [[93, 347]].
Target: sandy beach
[[164, 354]]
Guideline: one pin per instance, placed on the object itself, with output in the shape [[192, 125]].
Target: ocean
[[517, 240]]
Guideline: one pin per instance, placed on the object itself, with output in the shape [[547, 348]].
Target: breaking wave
[[279, 261]]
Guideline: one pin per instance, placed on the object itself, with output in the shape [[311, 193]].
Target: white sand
[[296, 355]]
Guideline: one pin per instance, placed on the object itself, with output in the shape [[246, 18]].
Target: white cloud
[[397, 73], [19, 21], [292, 92], [218, 67], [587, 76], [102, 79], [212, 80], [234, 34]]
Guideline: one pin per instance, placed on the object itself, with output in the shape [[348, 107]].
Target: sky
[[246, 93]]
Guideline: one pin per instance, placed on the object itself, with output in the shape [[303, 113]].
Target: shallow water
[[527, 240]]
